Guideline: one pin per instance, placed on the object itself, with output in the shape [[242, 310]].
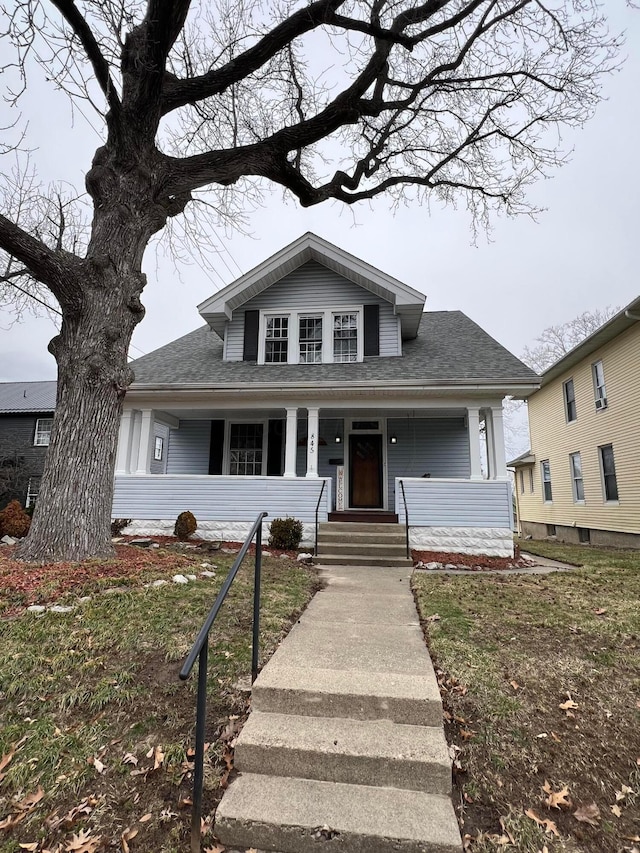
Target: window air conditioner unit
[[601, 403]]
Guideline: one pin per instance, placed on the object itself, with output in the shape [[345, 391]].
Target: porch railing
[[406, 519], [200, 650]]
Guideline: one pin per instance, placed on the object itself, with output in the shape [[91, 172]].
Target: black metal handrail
[[406, 518], [200, 650], [315, 545]]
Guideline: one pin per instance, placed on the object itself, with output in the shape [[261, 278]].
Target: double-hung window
[[569, 393], [345, 337], [246, 449], [545, 470], [276, 345], [43, 432], [599, 388], [577, 480], [608, 468], [310, 339]]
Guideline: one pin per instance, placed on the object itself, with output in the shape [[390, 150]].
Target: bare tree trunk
[[73, 509]]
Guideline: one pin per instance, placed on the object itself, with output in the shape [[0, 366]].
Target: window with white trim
[[33, 490], [276, 344], [608, 469], [246, 449], [599, 388], [43, 432], [345, 337], [577, 481], [310, 339], [569, 394], [545, 470]]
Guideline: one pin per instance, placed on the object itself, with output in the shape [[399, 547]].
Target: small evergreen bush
[[186, 524], [14, 521], [118, 525], [286, 533]]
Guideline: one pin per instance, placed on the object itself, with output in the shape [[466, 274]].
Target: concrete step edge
[[286, 814], [373, 752]]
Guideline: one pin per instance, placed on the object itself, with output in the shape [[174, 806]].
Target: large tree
[[456, 100]]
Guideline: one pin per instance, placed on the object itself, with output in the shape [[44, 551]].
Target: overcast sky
[[582, 254]]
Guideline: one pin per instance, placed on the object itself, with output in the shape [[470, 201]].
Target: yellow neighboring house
[[580, 482]]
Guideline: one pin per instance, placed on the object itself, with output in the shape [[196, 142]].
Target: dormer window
[[276, 345], [310, 339], [345, 337]]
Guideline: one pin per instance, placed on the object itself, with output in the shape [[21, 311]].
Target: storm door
[[365, 471]]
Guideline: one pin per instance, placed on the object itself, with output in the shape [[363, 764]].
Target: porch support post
[[473, 426], [125, 435], [312, 442], [290, 443], [498, 443], [491, 449], [146, 437]]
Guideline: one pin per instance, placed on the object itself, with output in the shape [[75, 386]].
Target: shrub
[[118, 525], [186, 524], [286, 533], [14, 521]]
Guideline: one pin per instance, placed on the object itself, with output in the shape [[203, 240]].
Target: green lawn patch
[[540, 679], [95, 727]]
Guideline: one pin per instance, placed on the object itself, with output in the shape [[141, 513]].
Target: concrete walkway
[[344, 750]]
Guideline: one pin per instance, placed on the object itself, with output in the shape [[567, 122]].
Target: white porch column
[[291, 443], [146, 439], [498, 443], [491, 450], [312, 442], [473, 426], [125, 435]]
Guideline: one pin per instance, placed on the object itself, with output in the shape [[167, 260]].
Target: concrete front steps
[[344, 750], [362, 544]]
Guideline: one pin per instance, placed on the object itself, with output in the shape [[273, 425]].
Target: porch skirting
[[216, 531], [490, 541]]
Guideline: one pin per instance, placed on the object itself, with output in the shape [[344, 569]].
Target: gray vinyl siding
[[17, 433], [435, 446], [433, 503], [160, 466], [313, 287], [218, 498], [188, 451]]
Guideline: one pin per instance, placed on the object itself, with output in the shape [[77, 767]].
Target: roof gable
[[408, 303]]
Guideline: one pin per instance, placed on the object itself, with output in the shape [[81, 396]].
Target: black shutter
[[372, 330], [216, 447], [274, 448], [251, 322]]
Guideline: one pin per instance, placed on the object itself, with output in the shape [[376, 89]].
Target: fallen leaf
[[616, 810], [83, 843], [549, 825], [129, 758], [588, 814], [217, 849], [568, 704], [556, 799], [30, 801], [600, 611], [99, 766], [158, 757], [515, 685], [12, 820], [126, 836], [33, 845], [145, 818]]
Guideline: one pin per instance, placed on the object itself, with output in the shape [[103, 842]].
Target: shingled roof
[[27, 397], [449, 349]]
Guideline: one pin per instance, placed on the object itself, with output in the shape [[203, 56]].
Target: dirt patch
[[470, 562]]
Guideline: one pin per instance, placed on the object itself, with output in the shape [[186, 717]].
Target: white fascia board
[[407, 302]]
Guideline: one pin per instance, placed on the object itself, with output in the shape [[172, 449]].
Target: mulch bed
[[472, 562]]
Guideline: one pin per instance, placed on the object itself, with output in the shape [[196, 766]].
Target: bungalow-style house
[[319, 388], [580, 482], [26, 417]]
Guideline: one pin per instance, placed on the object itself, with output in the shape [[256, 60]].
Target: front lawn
[[540, 678], [95, 727]]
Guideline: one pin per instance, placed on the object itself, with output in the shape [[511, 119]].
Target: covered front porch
[[228, 464]]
